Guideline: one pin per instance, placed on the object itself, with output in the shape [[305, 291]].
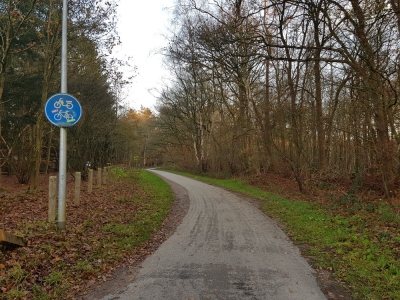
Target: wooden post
[[52, 198], [11, 240], [99, 177], [90, 181], [105, 173], [77, 188]]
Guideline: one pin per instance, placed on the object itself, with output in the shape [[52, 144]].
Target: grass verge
[[362, 249]]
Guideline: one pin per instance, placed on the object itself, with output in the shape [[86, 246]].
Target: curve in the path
[[224, 249]]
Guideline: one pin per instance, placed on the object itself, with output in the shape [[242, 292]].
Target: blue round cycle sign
[[63, 110]]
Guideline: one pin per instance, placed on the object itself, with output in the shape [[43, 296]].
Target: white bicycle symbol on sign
[[63, 114], [60, 103]]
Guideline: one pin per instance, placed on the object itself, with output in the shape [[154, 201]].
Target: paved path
[[224, 249]]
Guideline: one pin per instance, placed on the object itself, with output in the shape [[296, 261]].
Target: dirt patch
[[333, 289]]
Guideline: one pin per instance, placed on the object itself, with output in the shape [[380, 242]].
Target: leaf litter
[[65, 264]]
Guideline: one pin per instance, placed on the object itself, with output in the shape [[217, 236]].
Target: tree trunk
[[2, 84], [46, 170], [319, 114], [267, 116]]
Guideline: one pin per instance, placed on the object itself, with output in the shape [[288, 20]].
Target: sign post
[[64, 111]]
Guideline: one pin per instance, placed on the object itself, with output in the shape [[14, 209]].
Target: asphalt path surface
[[225, 248]]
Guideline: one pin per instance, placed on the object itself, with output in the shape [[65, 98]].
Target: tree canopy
[[30, 35], [308, 88]]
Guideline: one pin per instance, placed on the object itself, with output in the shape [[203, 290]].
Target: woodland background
[[303, 88], [30, 33], [307, 89]]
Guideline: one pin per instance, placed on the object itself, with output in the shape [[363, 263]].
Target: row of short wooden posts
[[10, 240], [101, 178]]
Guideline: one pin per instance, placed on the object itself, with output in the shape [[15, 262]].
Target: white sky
[[141, 25]]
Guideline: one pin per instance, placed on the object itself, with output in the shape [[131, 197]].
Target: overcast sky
[[141, 25]]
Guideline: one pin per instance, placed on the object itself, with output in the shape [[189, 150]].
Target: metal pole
[[62, 185]]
